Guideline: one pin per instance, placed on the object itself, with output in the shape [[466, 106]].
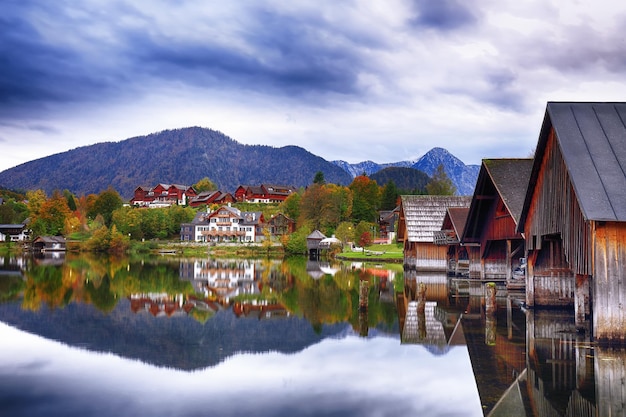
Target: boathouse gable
[[493, 216], [574, 214], [421, 216], [450, 235]]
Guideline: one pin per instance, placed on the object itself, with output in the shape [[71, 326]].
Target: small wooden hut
[[313, 243], [574, 215], [420, 217], [493, 216], [49, 244]]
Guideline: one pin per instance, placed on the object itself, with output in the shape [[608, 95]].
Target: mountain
[[369, 167], [180, 156], [184, 156], [463, 176], [405, 179]]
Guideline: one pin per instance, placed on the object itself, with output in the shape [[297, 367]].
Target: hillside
[[181, 156], [405, 179]]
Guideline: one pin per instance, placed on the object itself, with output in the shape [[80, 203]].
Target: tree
[[105, 204], [296, 244], [71, 202], [365, 239], [205, 184], [345, 232], [312, 205], [319, 178], [365, 232], [440, 183], [365, 199], [291, 206], [49, 217], [118, 243], [389, 196]]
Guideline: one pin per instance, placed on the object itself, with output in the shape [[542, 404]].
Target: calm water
[[192, 337]]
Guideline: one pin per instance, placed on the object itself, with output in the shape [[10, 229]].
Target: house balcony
[[223, 233]]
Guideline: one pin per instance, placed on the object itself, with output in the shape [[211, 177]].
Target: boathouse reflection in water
[[526, 362]]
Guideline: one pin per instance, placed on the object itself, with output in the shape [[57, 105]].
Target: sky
[[348, 80], [331, 378]]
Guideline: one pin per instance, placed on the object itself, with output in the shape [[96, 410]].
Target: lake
[[163, 336]]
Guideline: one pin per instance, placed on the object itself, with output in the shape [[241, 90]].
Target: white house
[[14, 232], [226, 224]]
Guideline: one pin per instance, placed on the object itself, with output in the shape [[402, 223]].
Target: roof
[[424, 214], [50, 239], [510, 177], [592, 140], [250, 218], [506, 178], [12, 226], [458, 217], [316, 234], [327, 242]]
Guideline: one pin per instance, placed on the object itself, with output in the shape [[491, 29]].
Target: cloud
[[406, 74], [444, 15]]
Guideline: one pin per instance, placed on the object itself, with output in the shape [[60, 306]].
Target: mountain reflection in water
[[180, 337]]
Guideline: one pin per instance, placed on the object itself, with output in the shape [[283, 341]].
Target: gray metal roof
[[424, 214], [510, 177], [504, 177], [592, 139]]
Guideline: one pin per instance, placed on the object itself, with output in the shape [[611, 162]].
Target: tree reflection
[[265, 288]]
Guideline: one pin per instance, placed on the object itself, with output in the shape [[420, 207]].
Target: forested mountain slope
[[181, 156]]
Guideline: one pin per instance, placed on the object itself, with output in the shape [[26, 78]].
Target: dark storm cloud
[[36, 71], [281, 54], [444, 14]]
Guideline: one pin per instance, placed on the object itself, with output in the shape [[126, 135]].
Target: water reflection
[[351, 339], [129, 337]]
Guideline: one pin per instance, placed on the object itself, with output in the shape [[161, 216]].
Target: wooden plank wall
[[431, 257], [555, 210], [609, 280], [475, 267]]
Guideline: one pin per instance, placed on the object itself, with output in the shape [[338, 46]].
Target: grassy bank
[[384, 253]]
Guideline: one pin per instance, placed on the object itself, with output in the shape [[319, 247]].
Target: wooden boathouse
[[313, 244], [493, 216], [450, 236], [574, 215], [420, 217]]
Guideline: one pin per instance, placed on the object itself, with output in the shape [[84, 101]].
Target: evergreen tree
[[440, 183], [389, 197], [319, 178]]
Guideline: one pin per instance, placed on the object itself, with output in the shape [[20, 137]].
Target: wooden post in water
[[421, 297], [490, 313], [421, 310], [490, 298], [364, 289]]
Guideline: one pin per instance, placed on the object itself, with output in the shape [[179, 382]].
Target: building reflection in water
[[232, 282], [526, 362]]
